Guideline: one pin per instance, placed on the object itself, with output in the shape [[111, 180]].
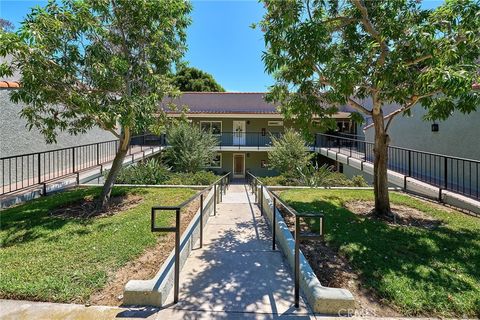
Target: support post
[[297, 262], [274, 221], [98, 154], [39, 167], [177, 257], [201, 220], [214, 199], [261, 199]]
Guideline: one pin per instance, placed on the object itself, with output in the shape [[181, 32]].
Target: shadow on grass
[[422, 271], [33, 220]]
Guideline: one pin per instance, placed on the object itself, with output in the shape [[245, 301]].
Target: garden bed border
[[154, 292], [324, 300]]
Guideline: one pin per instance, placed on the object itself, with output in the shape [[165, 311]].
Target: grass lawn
[[416, 270], [67, 259]]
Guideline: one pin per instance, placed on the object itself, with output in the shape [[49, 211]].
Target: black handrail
[[456, 174], [221, 184], [254, 183], [31, 169]]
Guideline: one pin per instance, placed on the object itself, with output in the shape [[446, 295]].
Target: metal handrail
[[254, 183], [222, 183], [400, 148], [456, 174], [26, 170]]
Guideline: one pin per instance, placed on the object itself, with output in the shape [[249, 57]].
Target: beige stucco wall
[[253, 161], [252, 125], [457, 136]]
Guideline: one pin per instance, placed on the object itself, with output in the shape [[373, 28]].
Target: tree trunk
[[380, 178], [114, 170]]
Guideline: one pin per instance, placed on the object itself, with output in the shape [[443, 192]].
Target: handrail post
[[261, 199], [274, 216], [214, 199], [39, 165], [446, 172], [98, 154], [297, 262], [201, 220], [73, 159], [177, 256]]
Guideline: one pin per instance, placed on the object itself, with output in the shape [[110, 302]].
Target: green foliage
[[289, 154], [48, 258], [418, 271], [324, 177], [154, 172], [314, 176], [332, 53], [151, 171], [337, 179], [203, 178], [192, 79], [92, 63], [190, 149]]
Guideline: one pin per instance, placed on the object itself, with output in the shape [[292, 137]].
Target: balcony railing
[[225, 139], [454, 174]]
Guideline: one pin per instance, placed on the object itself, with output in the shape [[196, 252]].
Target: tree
[[190, 148], [5, 25], [327, 53], [192, 79], [289, 154], [88, 63]]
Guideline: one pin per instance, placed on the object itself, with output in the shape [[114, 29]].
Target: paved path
[[236, 275], [236, 272]]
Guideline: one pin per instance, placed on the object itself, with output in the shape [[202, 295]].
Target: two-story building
[[244, 124]]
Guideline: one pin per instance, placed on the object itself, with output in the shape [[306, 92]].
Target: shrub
[[197, 178], [190, 149], [314, 176], [359, 181], [279, 181], [151, 171], [324, 177], [289, 154]]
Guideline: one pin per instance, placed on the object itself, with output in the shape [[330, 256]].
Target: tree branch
[[357, 106], [413, 100], [371, 30]]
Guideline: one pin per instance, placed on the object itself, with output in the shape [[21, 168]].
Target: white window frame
[[210, 122], [221, 162], [275, 123]]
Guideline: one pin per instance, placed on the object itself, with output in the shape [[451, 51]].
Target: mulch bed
[[87, 207], [401, 215], [145, 266]]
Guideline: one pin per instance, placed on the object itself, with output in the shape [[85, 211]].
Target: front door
[[239, 133], [239, 165]]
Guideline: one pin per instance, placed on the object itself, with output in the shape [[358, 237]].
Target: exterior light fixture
[[435, 127]]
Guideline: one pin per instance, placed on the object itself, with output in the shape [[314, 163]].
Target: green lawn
[[418, 271], [66, 260]]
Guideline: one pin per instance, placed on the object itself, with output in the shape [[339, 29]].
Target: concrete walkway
[[236, 272], [236, 275]]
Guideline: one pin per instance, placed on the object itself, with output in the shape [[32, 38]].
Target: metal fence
[[257, 187], [26, 170], [454, 174], [219, 188]]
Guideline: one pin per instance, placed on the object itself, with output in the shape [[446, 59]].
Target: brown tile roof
[[222, 103], [9, 84]]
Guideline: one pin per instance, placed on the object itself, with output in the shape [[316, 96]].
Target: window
[[214, 127], [216, 161], [275, 123]]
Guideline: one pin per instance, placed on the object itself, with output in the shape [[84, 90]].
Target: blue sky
[[220, 40]]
